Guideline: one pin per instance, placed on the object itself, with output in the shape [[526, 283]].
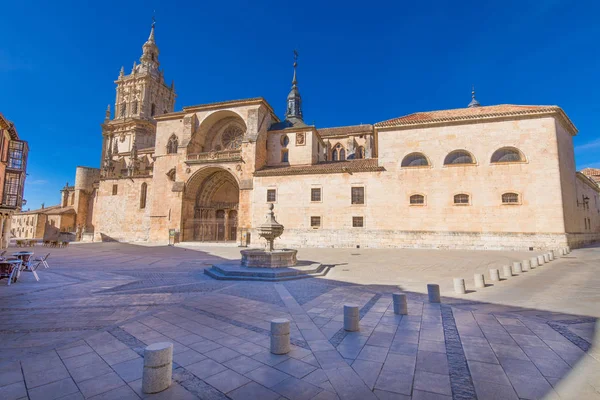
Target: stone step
[[232, 276], [237, 270]]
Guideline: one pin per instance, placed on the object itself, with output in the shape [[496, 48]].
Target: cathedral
[[478, 177]]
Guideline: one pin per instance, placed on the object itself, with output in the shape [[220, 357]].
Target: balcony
[[215, 157]]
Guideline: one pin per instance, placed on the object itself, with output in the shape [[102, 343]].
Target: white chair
[[42, 260], [14, 274]]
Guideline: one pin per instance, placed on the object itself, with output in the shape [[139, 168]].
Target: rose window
[[232, 138]]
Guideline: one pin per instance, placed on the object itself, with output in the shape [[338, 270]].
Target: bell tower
[[140, 96]]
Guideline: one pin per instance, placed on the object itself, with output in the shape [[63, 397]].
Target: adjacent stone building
[[13, 170], [477, 177]]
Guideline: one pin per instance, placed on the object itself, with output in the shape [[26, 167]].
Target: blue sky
[[359, 63]]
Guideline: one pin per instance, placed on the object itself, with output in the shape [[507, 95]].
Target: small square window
[[271, 195], [357, 222], [358, 195], [315, 222], [115, 189], [315, 194]]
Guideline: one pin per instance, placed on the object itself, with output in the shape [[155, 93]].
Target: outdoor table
[[6, 267]]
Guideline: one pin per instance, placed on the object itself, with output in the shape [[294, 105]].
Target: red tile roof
[[346, 130], [593, 173], [331, 167], [474, 113]]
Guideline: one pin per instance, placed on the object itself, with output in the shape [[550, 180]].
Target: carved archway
[[210, 215]]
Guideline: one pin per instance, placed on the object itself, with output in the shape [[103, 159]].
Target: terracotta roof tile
[[593, 173], [473, 113], [331, 167], [346, 130]]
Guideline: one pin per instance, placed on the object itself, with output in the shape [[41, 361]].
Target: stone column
[[6, 231], [495, 275], [459, 286], [479, 280], [517, 267], [433, 293], [400, 306], [226, 221], [280, 336], [351, 318], [541, 260], [158, 367]]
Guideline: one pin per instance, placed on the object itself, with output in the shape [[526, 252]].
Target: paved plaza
[[80, 331]]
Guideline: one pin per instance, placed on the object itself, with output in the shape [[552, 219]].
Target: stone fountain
[[269, 257], [268, 264]]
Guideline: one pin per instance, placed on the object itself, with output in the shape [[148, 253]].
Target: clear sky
[[360, 62]]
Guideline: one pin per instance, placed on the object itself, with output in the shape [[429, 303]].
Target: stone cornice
[[588, 181]]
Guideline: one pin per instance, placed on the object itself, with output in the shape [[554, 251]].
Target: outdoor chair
[[32, 269], [42, 260], [14, 274]]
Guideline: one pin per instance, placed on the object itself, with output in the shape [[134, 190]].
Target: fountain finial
[[271, 229]]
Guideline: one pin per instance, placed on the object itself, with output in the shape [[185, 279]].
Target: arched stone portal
[[211, 207]]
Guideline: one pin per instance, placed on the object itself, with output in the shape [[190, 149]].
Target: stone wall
[[378, 238], [119, 217]]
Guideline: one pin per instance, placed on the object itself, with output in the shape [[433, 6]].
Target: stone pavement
[[80, 331]]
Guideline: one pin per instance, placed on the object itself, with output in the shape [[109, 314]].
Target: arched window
[[122, 109], [458, 157], [415, 160], [134, 107], [417, 199], [507, 154], [284, 156], [285, 140], [360, 152], [338, 153], [143, 194], [510, 198], [461, 198], [172, 145]]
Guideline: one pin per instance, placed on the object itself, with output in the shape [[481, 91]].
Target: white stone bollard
[[459, 286], [495, 275], [526, 265], [563, 251], [540, 260], [568, 249], [280, 336], [400, 306], [351, 318], [479, 280], [507, 270], [534, 262], [517, 267], [433, 292], [158, 367], [546, 257], [551, 255]]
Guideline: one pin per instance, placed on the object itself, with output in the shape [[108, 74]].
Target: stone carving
[[300, 139]]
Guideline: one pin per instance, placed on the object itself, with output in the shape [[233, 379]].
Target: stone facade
[[477, 177]]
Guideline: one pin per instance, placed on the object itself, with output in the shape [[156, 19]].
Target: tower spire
[[474, 102], [294, 100], [149, 58]]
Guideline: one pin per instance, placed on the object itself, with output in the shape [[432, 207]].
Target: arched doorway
[[214, 194]]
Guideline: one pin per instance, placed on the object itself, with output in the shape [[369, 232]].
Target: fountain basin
[[259, 258]]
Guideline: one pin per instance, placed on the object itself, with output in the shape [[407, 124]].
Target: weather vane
[[153, 18], [295, 56]]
